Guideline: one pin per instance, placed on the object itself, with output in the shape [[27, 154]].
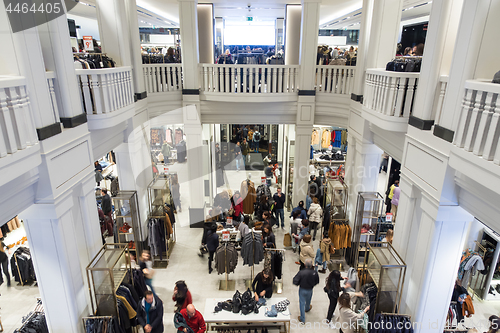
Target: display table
[[229, 320]]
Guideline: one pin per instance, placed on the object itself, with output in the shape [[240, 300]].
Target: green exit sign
[[249, 18]]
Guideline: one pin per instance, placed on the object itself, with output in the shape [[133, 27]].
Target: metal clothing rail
[[84, 320], [38, 310]]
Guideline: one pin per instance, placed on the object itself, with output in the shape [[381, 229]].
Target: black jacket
[[106, 204], [212, 241], [279, 202], [269, 241], [155, 315], [306, 278]]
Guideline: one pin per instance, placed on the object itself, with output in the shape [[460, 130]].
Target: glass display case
[[387, 270], [127, 220], [105, 274], [369, 208]]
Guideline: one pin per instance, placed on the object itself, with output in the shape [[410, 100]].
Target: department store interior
[[172, 126]]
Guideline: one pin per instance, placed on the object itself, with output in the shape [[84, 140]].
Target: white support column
[[303, 130], [56, 48], [309, 43], [64, 236], [135, 49], [206, 33], [292, 34], [363, 45], [443, 27], [114, 30], [188, 18], [30, 64], [470, 32]]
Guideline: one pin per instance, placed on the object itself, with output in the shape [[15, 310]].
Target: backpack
[[256, 136]]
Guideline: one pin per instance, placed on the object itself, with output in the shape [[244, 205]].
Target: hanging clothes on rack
[[387, 323], [156, 237], [252, 250], [21, 266], [470, 263], [249, 195], [314, 137], [226, 258], [340, 233], [325, 139], [274, 262]]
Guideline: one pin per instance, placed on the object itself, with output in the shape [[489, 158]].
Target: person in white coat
[[315, 213], [347, 320]]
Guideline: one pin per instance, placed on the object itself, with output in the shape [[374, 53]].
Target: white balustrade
[[335, 79], [249, 79], [51, 77], [105, 90], [390, 93], [443, 85], [479, 127], [161, 78], [17, 126]]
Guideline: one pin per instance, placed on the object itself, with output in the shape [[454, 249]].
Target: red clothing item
[[238, 209], [187, 301], [196, 322]]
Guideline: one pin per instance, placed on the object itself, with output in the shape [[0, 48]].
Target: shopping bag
[[287, 240]]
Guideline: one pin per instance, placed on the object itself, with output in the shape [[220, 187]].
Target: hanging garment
[[325, 139], [179, 135], [252, 250], [226, 258], [315, 137], [157, 237], [249, 195], [181, 151]]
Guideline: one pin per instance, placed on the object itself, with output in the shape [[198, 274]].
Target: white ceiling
[[165, 13]]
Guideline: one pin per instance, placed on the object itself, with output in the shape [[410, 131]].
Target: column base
[[424, 125], [74, 121], [48, 131], [357, 98], [444, 133], [307, 93], [139, 96]]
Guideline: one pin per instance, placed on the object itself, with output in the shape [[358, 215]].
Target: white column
[[30, 64], [443, 26], [56, 48], [364, 41], [384, 33], [309, 43], [470, 32], [188, 21], [64, 235], [206, 33], [135, 48], [303, 131], [9, 62], [114, 30], [292, 34]]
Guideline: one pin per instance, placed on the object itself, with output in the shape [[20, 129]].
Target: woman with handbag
[[315, 213], [332, 289]]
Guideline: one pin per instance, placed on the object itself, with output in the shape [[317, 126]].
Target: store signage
[[262, 180], [226, 235], [88, 43], [388, 217], [229, 221]]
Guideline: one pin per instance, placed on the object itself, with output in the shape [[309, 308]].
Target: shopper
[[238, 156], [324, 247], [332, 289], [194, 319], [243, 227], [150, 313], [279, 205], [245, 151], [304, 230], [268, 171], [146, 266], [389, 194], [176, 194], [348, 319], [256, 139], [4, 262], [250, 139], [306, 250], [395, 203], [262, 208], [98, 173], [389, 236], [309, 200], [267, 159], [315, 216], [237, 207], [268, 238], [300, 208], [182, 296], [262, 286], [212, 245], [106, 202], [306, 279], [294, 227]]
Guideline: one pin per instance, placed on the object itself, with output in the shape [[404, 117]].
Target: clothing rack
[[38, 310], [248, 283], [278, 284], [84, 319], [226, 284], [18, 271], [484, 251]]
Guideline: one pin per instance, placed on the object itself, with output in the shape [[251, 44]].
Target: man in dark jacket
[[244, 151], [306, 279], [268, 171], [150, 313], [300, 208], [105, 202], [212, 245], [279, 204]]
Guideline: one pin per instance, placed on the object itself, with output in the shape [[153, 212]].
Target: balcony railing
[[17, 125], [249, 79], [335, 79], [161, 78], [443, 85], [51, 81], [105, 90], [390, 93], [479, 128]]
